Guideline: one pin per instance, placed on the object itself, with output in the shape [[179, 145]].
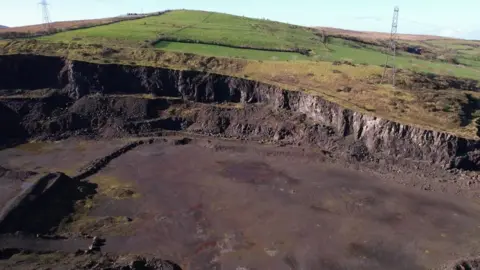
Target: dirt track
[[227, 205]]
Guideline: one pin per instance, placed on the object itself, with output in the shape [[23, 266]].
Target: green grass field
[[222, 51], [197, 25], [339, 50], [218, 28]]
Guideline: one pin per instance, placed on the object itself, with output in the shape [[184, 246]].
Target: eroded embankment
[[114, 100], [41, 206]]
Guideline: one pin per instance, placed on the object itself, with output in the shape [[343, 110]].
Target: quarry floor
[[218, 204]]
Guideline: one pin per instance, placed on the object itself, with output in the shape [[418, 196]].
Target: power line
[[393, 46], [46, 15]]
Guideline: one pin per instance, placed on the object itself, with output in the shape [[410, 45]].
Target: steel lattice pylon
[[393, 46], [46, 15]]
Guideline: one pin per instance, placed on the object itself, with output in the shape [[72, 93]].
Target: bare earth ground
[[66, 156], [232, 205]]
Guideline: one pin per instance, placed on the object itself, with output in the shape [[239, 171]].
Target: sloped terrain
[[197, 25], [175, 170], [441, 103], [436, 89], [216, 34], [372, 36], [149, 159], [56, 25], [140, 99]]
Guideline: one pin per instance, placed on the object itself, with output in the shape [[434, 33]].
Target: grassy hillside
[[197, 25], [225, 30], [223, 51], [56, 25]]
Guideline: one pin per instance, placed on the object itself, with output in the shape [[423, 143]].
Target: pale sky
[[457, 18]]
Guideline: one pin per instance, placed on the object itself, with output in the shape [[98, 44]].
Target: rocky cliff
[[90, 98]]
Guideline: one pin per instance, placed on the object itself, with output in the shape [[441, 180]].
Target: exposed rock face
[[54, 191], [92, 103]]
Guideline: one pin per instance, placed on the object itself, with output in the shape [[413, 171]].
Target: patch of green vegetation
[[223, 51], [341, 50], [110, 225], [447, 108], [224, 29], [81, 221], [196, 25], [464, 52], [114, 188], [34, 147], [472, 61], [40, 259], [476, 114]]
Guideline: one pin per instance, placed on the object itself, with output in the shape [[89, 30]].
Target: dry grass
[[82, 222], [111, 226], [35, 147], [108, 187], [114, 188], [368, 35], [58, 25], [353, 88], [33, 94], [36, 259]]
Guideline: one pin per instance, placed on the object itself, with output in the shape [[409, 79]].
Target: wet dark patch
[[256, 173], [351, 182], [319, 209], [291, 261], [7, 253], [422, 205], [441, 214], [329, 264], [15, 174], [206, 246], [229, 148], [381, 255], [391, 219], [183, 141]]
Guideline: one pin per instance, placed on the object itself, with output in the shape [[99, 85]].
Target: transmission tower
[[46, 16], [392, 50]]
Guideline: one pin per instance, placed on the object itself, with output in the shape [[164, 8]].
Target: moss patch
[[109, 225], [114, 188], [36, 258], [35, 147]]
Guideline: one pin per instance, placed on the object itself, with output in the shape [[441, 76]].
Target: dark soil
[[229, 204], [25, 259]]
